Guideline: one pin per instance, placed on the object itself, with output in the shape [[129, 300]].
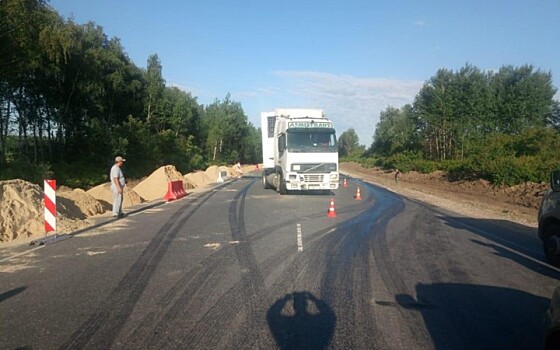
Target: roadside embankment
[[475, 198]]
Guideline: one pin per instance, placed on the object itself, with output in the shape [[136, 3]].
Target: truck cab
[[300, 151]]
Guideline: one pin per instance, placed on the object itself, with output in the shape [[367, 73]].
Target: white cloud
[[350, 101], [258, 92], [194, 91], [419, 23]]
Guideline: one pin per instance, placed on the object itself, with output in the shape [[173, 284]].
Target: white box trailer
[[300, 151]]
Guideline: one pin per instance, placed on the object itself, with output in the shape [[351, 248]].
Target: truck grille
[[314, 168], [313, 178]]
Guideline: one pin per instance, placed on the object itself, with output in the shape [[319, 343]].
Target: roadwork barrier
[[49, 194], [222, 176], [175, 190]]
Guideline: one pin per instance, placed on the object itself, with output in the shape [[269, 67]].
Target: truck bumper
[[305, 182]]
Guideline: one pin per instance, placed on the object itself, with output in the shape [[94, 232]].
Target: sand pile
[[187, 185], [198, 178], [21, 210], [104, 195], [60, 189], [213, 173], [155, 185], [244, 168], [250, 168], [79, 204]]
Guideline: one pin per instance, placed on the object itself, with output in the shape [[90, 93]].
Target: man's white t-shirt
[[116, 172]]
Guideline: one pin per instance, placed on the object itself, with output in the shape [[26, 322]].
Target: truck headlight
[[334, 176], [292, 177]]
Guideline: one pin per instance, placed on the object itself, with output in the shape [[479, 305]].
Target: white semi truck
[[300, 152]]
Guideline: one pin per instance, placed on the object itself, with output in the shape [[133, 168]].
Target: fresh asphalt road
[[222, 270]]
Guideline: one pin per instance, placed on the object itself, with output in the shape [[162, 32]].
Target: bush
[[405, 161], [27, 171], [426, 166]]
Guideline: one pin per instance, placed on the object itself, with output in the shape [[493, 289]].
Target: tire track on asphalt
[[250, 289], [102, 327], [247, 296], [391, 275], [177, 305], [228, 305], [345, 284]]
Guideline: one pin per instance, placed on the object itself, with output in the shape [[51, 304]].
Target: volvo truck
[[300, 152]]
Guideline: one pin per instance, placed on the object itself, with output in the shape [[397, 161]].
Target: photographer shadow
[[299, 320]]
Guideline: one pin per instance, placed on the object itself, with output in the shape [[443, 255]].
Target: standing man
[[397, 175], [117, 186]]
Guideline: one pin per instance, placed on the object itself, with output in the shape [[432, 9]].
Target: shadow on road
[[520, 259], [463, 316], [520, 240], [301, 321], [11, 293]]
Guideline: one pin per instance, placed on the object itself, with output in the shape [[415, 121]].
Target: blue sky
[[350, 58]]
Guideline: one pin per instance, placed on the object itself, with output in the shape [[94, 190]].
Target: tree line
[[71, 99], [501, 125]]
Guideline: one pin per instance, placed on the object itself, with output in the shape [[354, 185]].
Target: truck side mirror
[[555, 180]]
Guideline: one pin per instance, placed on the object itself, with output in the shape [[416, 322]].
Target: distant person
[[397, 175], [117, 186]]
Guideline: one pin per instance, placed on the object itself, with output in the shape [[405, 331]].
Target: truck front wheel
[[265, 183], [281, 185]]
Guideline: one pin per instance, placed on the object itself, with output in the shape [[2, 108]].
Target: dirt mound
[[233, 170], [213, 173], [21, 210], [155, 186], [528, 194], [246, 169], [104, 195], [521, 200], [187, 185], [198, 178], [79, 204], [60, 189], [249, 168]]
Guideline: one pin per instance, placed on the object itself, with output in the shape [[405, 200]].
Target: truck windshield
[[305, 140]]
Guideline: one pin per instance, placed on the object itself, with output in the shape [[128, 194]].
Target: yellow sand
[[198, 178], [22, 210], [104, 195], [213, 173], [79, 204], [155, 186]]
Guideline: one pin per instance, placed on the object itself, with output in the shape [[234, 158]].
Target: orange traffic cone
[[331, 213], [358, 196], [345, 184]]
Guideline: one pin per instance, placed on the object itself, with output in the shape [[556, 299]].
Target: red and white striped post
[[50, 206]]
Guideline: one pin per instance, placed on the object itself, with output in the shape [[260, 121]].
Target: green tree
[[227, 128], [523, 98], [396, 131], [155, 90], [553, 119], [348, 142]]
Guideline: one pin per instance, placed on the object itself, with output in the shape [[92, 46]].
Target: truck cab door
[[281, 147]]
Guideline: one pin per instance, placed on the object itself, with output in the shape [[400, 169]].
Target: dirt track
[[475, 198]]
